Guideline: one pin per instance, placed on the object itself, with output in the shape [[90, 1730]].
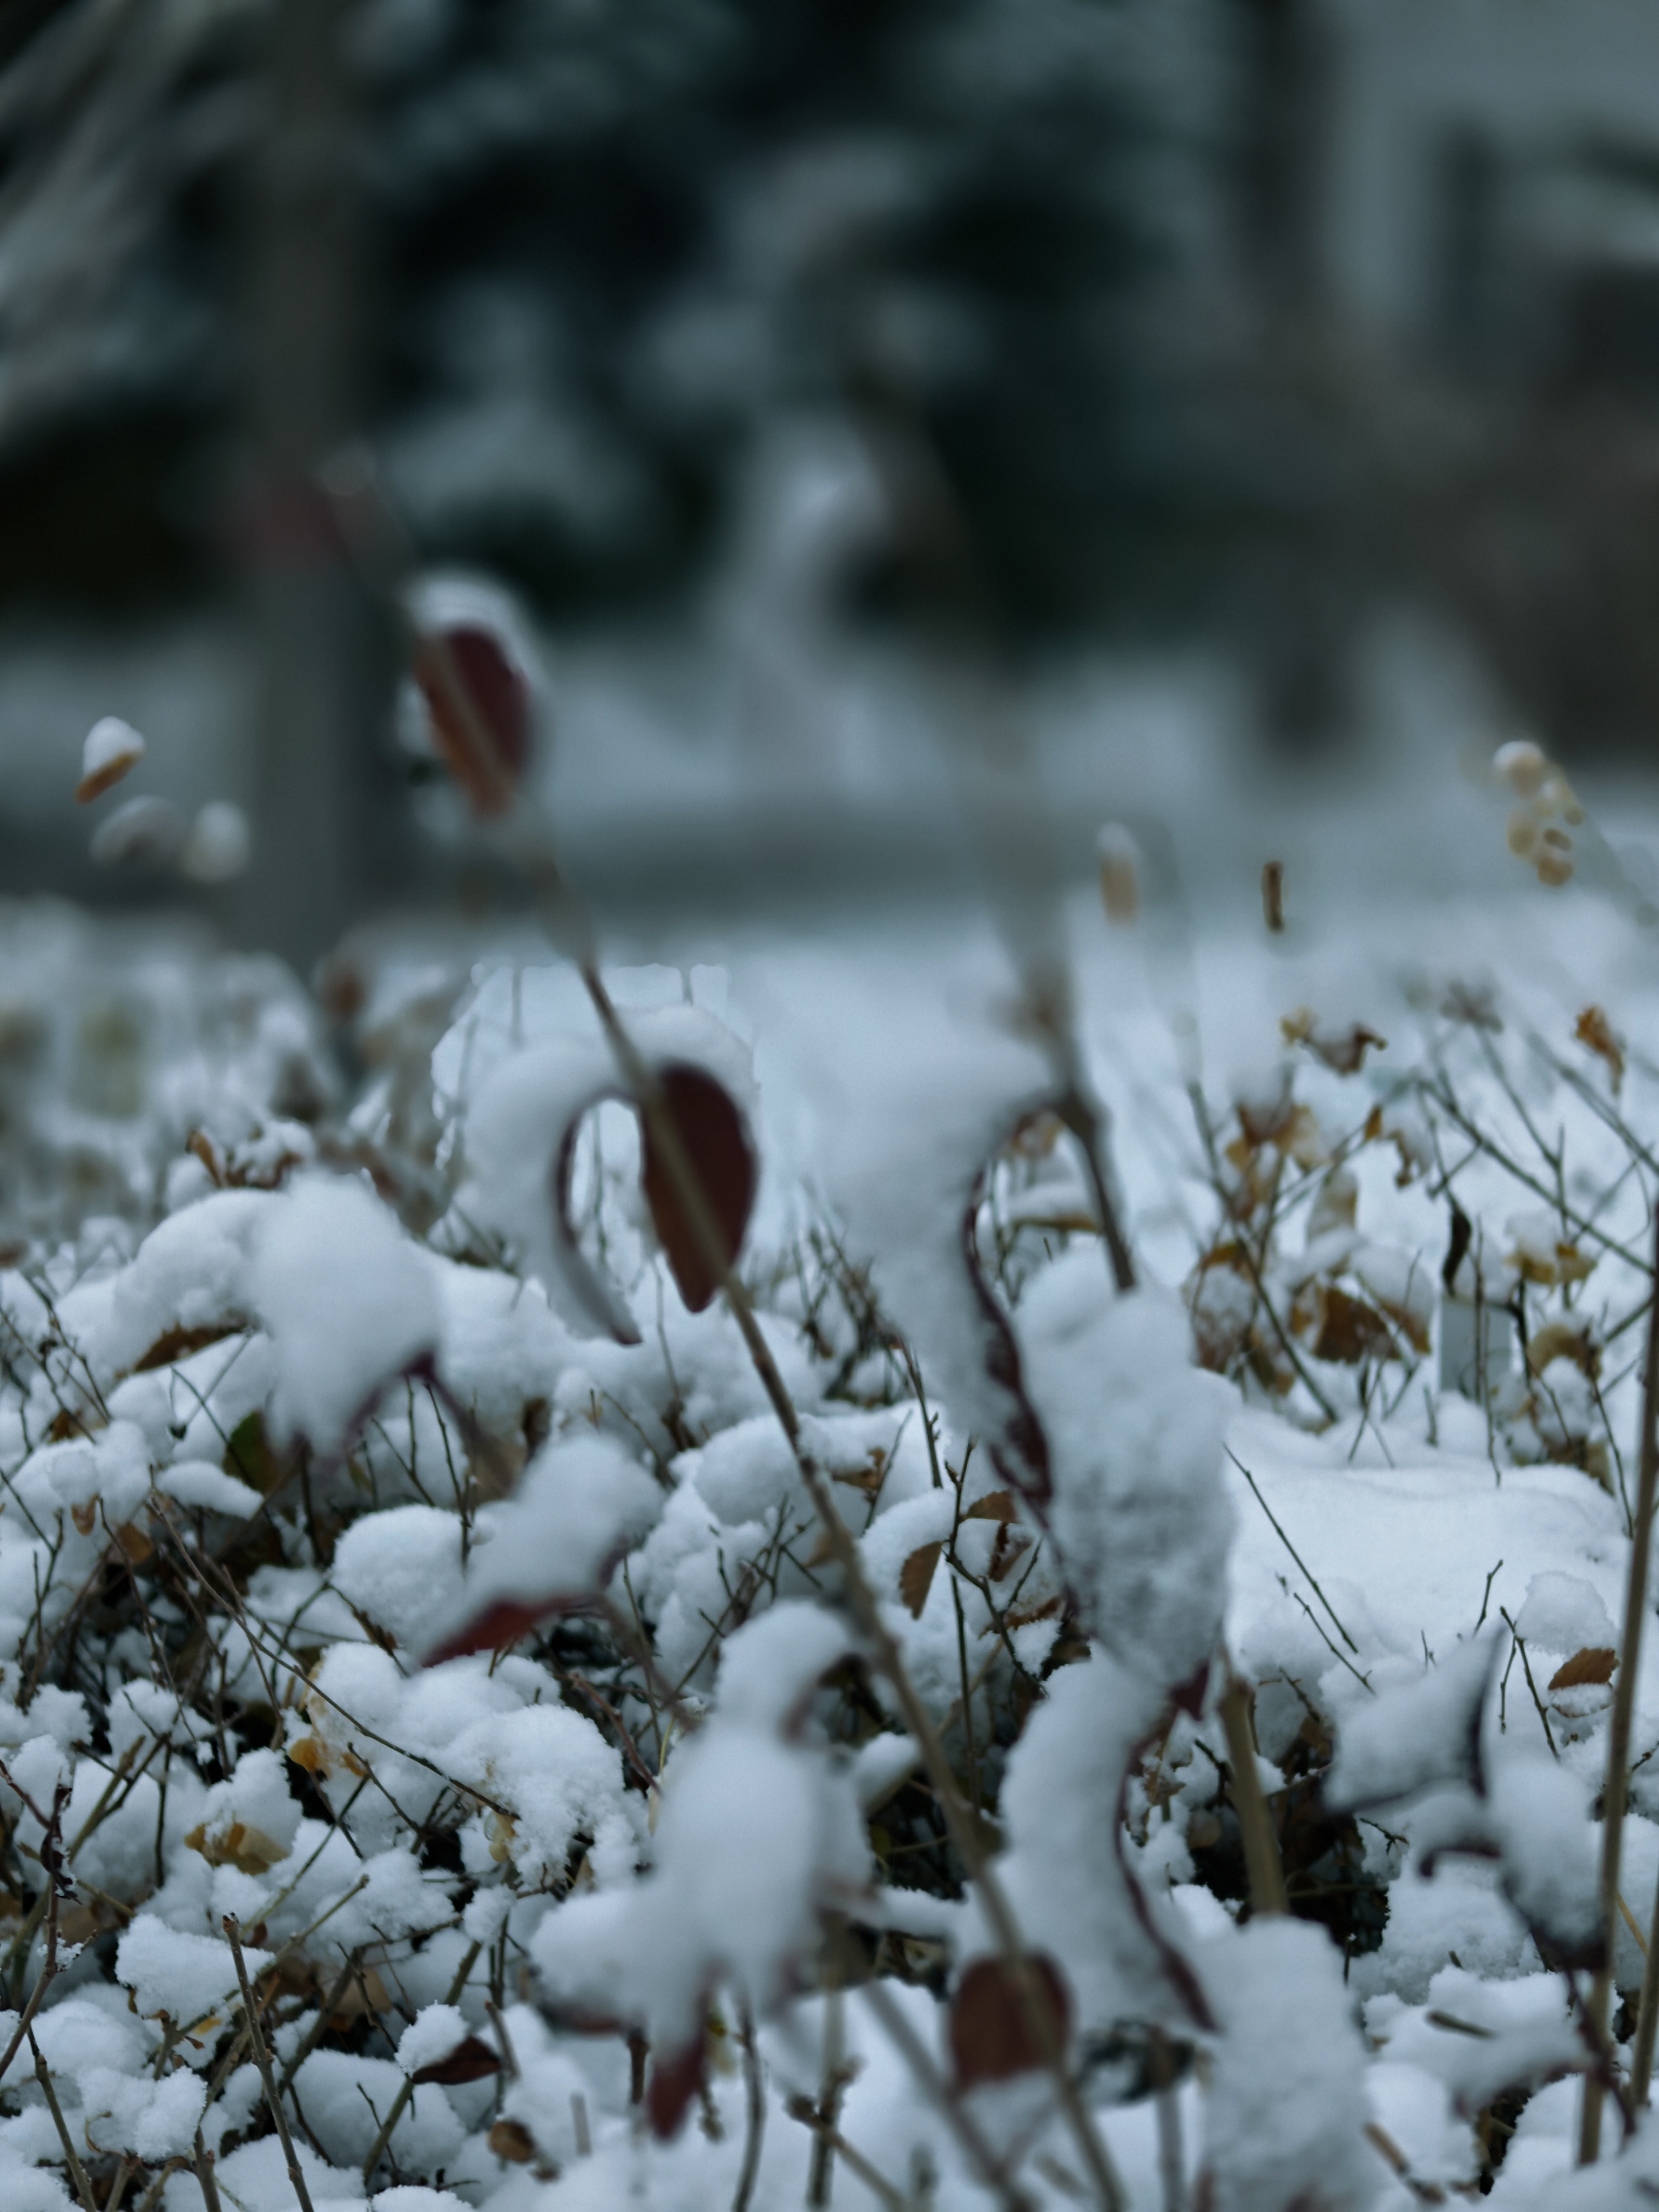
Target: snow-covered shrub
[[413, 1606]]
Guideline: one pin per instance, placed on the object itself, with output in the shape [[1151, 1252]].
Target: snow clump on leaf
[[758, 1833], [349, 1301], [1140, 1513]]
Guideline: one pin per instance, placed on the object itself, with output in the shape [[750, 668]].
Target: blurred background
[[1256, 400]]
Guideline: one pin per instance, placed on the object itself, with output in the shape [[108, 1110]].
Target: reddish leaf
[[499, 1625], [993, 2037], [479, 711], [1588, 1668], [470, 2061], [716, 1140], [675, 2081], [917, 1576]]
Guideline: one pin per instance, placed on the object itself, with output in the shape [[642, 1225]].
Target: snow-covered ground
[[616, 1801]]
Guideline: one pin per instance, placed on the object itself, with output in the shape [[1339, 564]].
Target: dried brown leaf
[[1559, 1339], [179, 1343], [512, 2141], [917, 1576], [995, 1505], [1594, 1665], [1350, 1330], [676, 2077], [1596, 1033]]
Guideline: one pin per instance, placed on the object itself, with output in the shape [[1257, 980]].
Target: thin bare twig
[[262, 2060], [406, 2087], [77, 2172]]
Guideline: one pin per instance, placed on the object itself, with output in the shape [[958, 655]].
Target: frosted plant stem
[[406, 2089], [821, 2173], [1255, 1827], [205, 2180], [1170, 2163], [331, 2004], [861, 1598], [262, 2060], [1619, 1735], [77, 2172], [49, 1964], [827, 2137], [568, 928], [755, 2127]]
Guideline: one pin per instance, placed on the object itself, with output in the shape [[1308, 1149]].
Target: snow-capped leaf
[[1593, 1666], [511, 2140], [472, 2060], [1419, 1737]]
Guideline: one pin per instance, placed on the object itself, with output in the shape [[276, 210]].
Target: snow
[[430, 2036], [1140, 1518], [198, 1482], [578, 1507], [661, 1848], [349, 1302], [740, 1895], [249, 1818], [1283, 2118], [524, 1116], [188, 1977]]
